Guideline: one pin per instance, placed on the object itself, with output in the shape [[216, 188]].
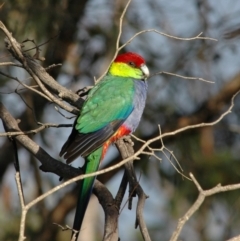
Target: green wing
[[108, 105], [110, 100]]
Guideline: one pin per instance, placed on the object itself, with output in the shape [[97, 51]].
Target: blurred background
[[81, 35]]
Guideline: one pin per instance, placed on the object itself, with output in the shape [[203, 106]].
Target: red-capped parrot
[[113, 109]]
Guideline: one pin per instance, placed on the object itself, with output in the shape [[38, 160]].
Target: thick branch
[[126, 150], [111, 212], [50, 164], [237, 238]]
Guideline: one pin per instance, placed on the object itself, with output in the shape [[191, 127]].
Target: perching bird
[[112, 110]]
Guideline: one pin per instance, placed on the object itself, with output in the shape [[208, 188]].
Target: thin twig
[[27, 86], [11, 64], [183, 77], [166, 35], [118, 48], [24, 212], [121, 24], [39, 74], [35, 131], [201, 197], [117, 42]]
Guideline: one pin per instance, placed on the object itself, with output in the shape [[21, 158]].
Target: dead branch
[[126, 150], [50, 164], [183, 77], [39, 74], [31, 146], [201, 197], [111, 212], [35, 131], [120, 30]]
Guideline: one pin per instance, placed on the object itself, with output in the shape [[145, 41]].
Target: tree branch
[[201, 197], [126, 150], [111, 212], [50, 164], [39, 74]]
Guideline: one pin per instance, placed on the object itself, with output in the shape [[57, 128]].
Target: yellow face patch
[[124, 70]]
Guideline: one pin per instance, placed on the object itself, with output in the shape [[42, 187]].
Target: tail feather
[[91, 165]]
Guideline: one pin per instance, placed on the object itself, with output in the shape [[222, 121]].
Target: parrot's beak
[[145, 71]]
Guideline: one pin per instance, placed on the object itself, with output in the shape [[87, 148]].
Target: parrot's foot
[[84, 91], [128, 140]]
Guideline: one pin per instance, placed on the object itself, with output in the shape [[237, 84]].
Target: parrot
[[112, 110]]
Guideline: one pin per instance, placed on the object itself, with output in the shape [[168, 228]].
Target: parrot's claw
[[128, 140], [84, 91]]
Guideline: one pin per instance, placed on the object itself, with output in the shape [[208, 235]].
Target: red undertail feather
[[122, 131]]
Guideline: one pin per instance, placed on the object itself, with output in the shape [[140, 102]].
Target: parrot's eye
[[132, 64]]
